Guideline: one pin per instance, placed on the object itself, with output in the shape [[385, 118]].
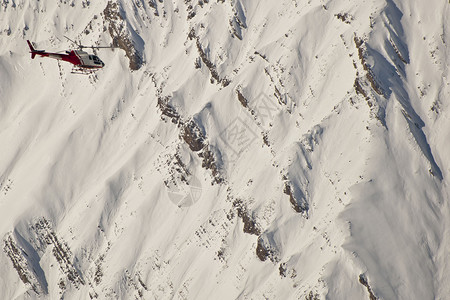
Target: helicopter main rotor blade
[[71, 40], [99, 47], [92, 47], [79, 45]]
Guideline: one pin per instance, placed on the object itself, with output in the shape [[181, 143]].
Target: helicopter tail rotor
[[33, 51]]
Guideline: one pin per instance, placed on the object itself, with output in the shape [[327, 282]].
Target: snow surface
[[327, 122]]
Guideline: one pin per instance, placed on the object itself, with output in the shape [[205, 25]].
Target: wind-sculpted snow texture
[[229, 149]]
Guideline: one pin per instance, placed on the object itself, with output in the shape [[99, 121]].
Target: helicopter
[[84, 63]]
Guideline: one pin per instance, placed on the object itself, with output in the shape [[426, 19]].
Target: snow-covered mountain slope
[[234, 149]]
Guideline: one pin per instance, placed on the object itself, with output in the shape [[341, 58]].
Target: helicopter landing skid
[[82, 71]]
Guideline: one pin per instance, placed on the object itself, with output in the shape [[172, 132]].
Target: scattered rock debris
[[193, 136], [204, 57], [344, 17], [60, 250], [20, 263]]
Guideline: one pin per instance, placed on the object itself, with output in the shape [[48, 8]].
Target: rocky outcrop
[[121, 35]]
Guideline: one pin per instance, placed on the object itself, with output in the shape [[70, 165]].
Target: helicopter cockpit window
[[97, 60]]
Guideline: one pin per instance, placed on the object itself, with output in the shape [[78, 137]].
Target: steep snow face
[[228, 149]]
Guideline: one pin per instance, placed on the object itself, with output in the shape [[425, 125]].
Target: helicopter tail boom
[[33, 51]]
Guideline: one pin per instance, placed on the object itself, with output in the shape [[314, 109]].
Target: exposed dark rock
[[221, 254], [196, 140], [359, 89], [134, 282], [263, 56], [282, 269], [344, 17], [363, 280], [167, 109], [236, 23], [312, 296], [209, 163], [26, 265], [299, 205], [212, 68], [198, 63], [250, 225], [369, 73], [371, 77], [61, 250], [152, 4], [20, 263], [277, 85], [192, 35], [400, 56], [265, 251], [191, 14], [179, 174], [266, 139], [117, 28], [193, 136], [242, 99], [98, 274], [261, 251]]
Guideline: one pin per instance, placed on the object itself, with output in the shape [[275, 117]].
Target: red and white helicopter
[[84, 63]]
